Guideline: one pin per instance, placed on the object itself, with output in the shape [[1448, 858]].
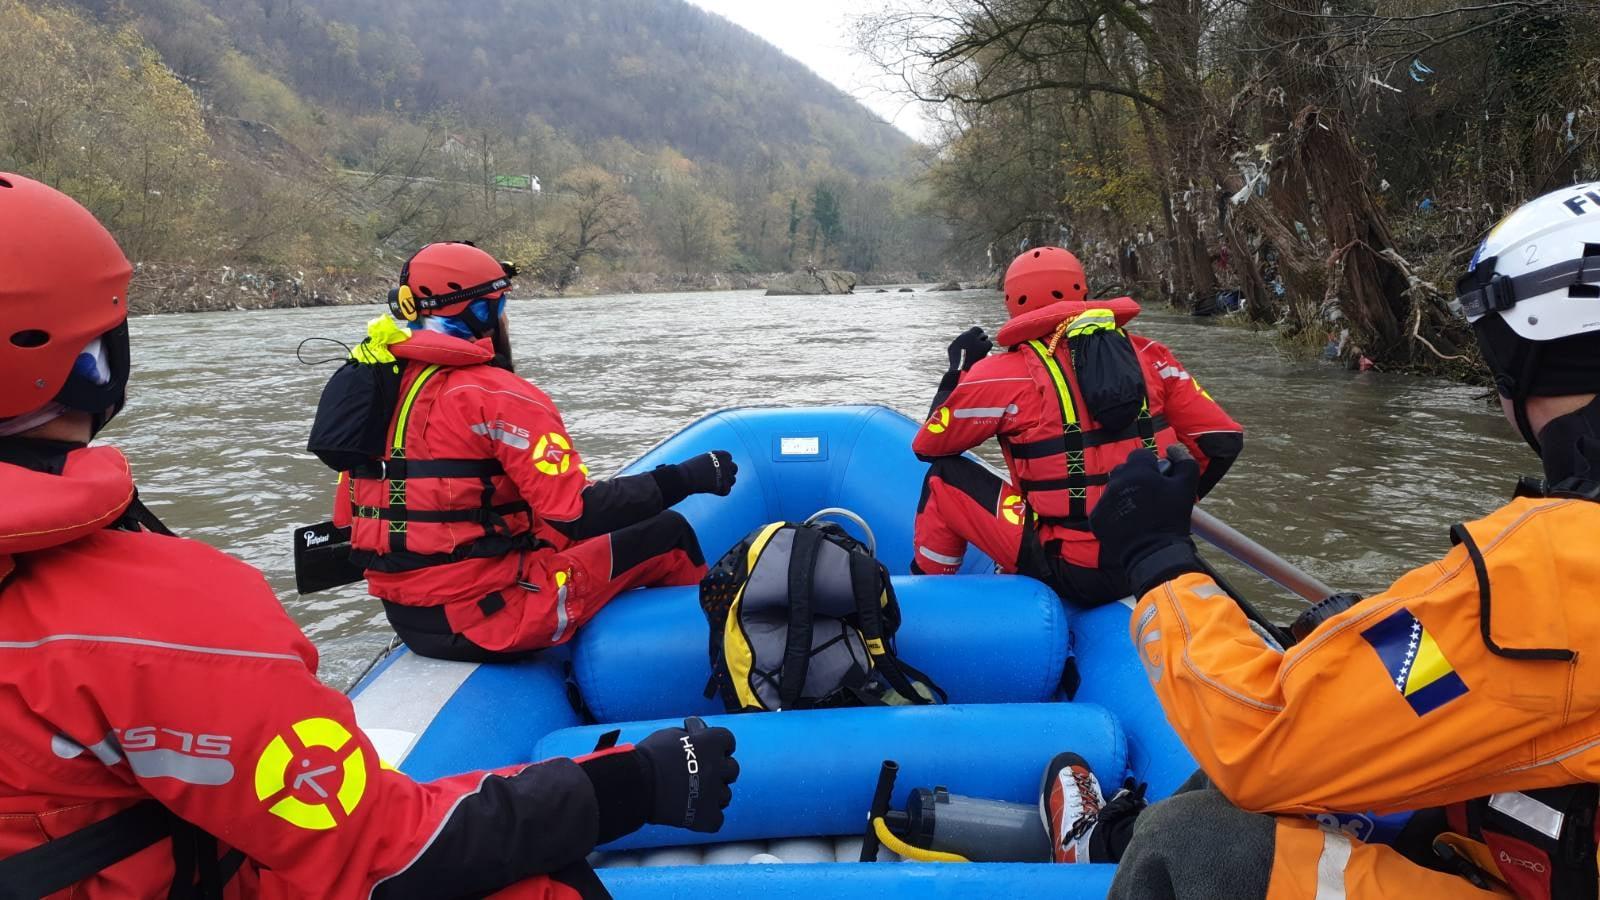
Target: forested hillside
[[1334, 162], [578, 138]]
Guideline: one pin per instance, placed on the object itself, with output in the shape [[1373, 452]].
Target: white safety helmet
[[1532, 294], [1539, 268]]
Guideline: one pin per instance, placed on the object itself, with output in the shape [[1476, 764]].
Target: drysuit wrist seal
[[624, 793], [670, 481], [1162, 563]]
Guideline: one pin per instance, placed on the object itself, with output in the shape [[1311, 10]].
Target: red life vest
[[423, 505], [1062, 464], [1540, 843]]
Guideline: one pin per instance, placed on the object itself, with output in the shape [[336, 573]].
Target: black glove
[[691, 768], [708, 473], [973, 345], [1142, 519]]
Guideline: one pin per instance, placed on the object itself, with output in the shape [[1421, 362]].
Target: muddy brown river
[[1356, 477]]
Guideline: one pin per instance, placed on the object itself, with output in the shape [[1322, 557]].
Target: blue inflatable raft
[[1005, 649]]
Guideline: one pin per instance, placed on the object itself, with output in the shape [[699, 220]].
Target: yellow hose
[[888, 839]]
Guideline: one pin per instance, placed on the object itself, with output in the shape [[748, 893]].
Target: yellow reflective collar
[[1091, 321], [1069, 414], [382, 333], [405, 409]]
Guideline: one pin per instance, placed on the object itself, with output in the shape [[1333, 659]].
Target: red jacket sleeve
[[220, 717], [1203, 426], [983, 404]]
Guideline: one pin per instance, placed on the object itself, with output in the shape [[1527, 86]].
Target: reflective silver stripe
[[1145, 617], [141, 642], [1535, 814], [983, 412], [1331, 865], [1207, 591], [187, 769], [1173, 372], [561, 614], [443, 821], [65, 748], [940, 558]]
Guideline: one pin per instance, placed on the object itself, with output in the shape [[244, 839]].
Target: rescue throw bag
[[1108, 370], [351, 427], [802, 616]]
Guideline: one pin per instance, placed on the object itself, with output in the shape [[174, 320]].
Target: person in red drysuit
[[165, 732], [1070, 398], [479, 527]]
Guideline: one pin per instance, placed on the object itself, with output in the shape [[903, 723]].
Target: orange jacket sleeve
[[1399, 702]]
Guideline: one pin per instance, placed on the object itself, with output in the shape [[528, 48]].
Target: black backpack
[[803, 616]]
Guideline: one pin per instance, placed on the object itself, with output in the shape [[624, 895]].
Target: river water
[[1356, 477]]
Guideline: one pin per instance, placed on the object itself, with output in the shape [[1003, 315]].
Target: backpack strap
[[797, 647], [877, 617]]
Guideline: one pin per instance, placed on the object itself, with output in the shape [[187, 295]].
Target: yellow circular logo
[[313, 776], [1011, 508], [938, 423], [553, 454]]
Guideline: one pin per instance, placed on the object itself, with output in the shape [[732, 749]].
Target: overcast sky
[[816, 32]]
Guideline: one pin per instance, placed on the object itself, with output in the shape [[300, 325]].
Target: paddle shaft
[[1270, 565]]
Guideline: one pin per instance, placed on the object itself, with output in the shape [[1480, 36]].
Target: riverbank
[[178, 288]]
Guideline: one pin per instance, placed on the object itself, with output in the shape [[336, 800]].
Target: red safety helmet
[[442, 278], [1041, 277], [63, 283]]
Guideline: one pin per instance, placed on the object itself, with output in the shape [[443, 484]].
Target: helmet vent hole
[[1036, 254], [453, 285], [1058, 295], [4, 183], [425, 291], [1022, 300], [30, 338], [1077, 287]]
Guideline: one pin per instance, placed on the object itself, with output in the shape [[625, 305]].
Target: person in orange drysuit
[[1469, 690], [1070, 398], [165, 734]]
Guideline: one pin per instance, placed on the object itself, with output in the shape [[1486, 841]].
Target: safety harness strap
[[63, 862], [482, 515], [1075, 483], [1144, 428]]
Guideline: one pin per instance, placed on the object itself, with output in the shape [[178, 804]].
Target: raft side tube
[[1114, 678], [796, 461], [813, 772], [983, 638], [863, 881]]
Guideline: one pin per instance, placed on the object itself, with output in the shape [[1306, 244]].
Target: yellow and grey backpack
[[804, 616]]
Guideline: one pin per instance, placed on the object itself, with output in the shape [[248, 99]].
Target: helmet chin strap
[[1520, 387]]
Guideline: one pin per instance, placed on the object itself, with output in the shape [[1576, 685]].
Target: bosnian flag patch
[[1416, 665]]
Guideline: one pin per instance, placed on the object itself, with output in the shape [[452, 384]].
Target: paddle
[[1269, 565], [322, 558], [1273, 567]]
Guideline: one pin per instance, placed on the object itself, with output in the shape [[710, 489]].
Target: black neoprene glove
[[676, 776], [708, 473], [966, 350], [1142, 519], [692, 768]]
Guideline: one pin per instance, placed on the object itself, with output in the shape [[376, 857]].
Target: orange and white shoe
[[1070, 802]]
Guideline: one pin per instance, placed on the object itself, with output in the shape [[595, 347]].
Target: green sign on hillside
[[514, 182]]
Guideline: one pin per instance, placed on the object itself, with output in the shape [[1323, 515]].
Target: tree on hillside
[[693, 228], [597, 217], [94, 113]]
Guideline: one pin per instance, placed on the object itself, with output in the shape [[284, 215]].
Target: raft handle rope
[[839, 512]]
